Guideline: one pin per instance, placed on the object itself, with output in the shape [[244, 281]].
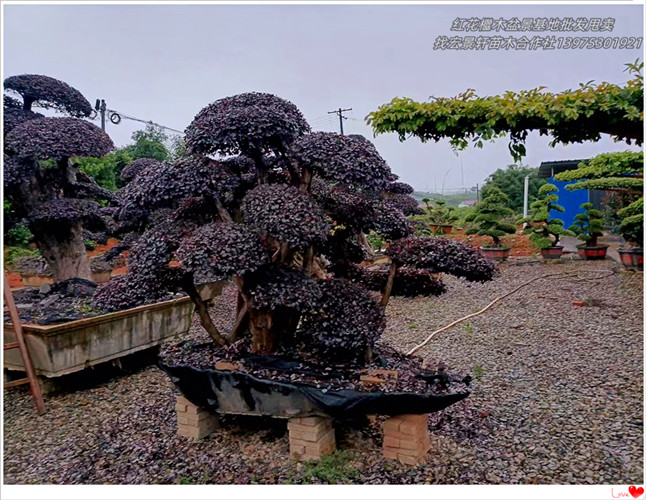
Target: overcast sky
[[165, 63]]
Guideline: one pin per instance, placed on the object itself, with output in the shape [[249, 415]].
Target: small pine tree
[[541, 227], [489, 217], [588, 225]]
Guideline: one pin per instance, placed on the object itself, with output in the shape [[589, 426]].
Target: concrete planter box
[[36, 280], [69, 347]]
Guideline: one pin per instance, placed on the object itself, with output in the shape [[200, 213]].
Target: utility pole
[[100, 107], [341, 117], [526, 198], [477, 193]]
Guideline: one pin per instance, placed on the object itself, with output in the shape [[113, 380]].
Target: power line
[[116, 116]]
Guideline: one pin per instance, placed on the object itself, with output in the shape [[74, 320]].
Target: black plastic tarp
[[249, 394]]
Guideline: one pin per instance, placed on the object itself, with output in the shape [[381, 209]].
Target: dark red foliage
[[286, 214], [224, 249], [442, 255], [134, 168], [58, 138], [66, 210], [350, 159], [408, 282], [15, 116], [130, 290], [17, 171], [244, 123], [404, 203], [391, 223], [168, 184], [276, 286], [47, 92], [348, 322], [399, 188]]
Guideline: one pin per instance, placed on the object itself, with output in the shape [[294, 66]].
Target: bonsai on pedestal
[[588, 227], [281, 212], [543, 231], [489, 219]]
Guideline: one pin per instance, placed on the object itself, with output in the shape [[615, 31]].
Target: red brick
[[183, 401], [385, 374], [310, 421], [313, 435], [392, 425], [371, 380], [181, 408], [412, 428], [390, 453], [391, 442], [408, 460], [226, 365]]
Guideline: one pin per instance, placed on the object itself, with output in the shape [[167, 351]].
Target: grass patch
[[331, 469], [13, 253], [478, 372]]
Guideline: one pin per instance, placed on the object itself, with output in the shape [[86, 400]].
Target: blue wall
[[569, 200]]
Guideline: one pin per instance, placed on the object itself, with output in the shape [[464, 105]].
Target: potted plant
[[489, 220], [439, 216], [588, 227], [60, 203], [621, 172], [632, 229], [543, 231]]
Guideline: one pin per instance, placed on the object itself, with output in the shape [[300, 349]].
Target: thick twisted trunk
[[63, 248]]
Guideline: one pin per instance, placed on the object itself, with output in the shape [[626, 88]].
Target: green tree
[[569, 116], [106, 170], [542, 229], [511, 181], [149, 143], [622, 172], [489, 217]]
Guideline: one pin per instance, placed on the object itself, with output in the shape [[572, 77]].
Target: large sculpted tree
[[41, 182], [280, 211]]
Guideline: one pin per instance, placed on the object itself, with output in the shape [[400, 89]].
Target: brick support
[[192, 421], [406, 438], [310, 437]]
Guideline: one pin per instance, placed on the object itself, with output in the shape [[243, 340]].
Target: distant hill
[[453, 199]]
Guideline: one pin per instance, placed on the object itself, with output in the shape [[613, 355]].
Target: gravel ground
[[557, 398]]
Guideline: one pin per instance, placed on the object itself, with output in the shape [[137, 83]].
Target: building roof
[[551, 168]]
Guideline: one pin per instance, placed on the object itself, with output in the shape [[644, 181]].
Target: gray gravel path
[[557, 398]]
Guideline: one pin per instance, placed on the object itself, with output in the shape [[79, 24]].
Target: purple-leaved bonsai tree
[[280, 212], [41, 181]]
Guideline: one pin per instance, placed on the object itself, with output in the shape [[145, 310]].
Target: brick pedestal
[[192, 421], [406, 438], [310, 437]]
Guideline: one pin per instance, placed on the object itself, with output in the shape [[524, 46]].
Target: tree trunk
[[188, 284], [263, 331], [389, 285], [64, 250]]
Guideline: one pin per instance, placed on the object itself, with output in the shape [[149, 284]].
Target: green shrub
[[18, 236], [489, 217], [545, 232], [588, 225]]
